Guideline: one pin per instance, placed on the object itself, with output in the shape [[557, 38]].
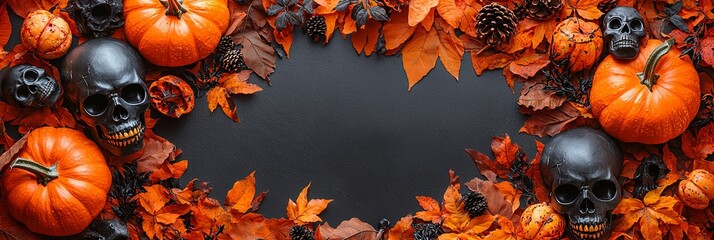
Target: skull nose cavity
[[587, 206], [120, 113], [625, 29]]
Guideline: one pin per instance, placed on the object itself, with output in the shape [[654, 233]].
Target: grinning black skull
[[103, 77], [624, 28], [580, 167], [29, 86], [96, 18], [650, 170]]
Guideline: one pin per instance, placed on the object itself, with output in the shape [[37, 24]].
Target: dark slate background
[[347, 124]]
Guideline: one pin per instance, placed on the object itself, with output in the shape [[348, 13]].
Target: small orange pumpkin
[[46, 34], [59, 182], [697, 190], [577, 40], [650, 99], [541, 221], [172, 96], [175, 34]]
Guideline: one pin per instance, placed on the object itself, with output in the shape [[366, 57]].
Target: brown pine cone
[[542, 9], [232, 61], [496, 24]]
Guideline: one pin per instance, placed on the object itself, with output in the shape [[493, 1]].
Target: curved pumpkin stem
[[648, 77], [44, 174], [174, 7]]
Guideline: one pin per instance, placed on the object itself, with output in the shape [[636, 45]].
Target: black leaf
[[294, 18], [291, 2], [676, 7], [379, 14], [308, 6], [274, 10], [678, 22], [281, 22], [283, 3], [689, 39], [355, 10], [362, 17], [342, 5]]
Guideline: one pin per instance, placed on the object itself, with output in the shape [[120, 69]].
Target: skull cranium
[[580, 167]]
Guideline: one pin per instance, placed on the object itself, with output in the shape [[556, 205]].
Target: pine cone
[[606, 5], [476, 204], [496, 24], [542, 9], [301, 233], [225, 45], [427, 231], [232, 61], [316, 27]]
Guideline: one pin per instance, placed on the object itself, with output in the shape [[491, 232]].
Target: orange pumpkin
[[59, 182], [578, 41], [175, 34], [650, 99], [541, 221], [697, 190], [46, 34]]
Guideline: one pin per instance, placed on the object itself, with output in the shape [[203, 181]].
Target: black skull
[[96, 18], [624, 28], [104, 78], [104, 230], [29, 86], [650, 170], [580, 167]]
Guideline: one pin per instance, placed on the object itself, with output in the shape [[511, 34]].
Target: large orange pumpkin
[[59, 182], [175, 34], [650, 99]]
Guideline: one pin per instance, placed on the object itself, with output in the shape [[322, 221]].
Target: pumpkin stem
[[174, 7], [44, 174], [648, 77]]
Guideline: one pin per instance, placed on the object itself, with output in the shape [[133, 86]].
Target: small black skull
[[580, 167], [624, 28], [96, 18], [104, 230], [29, 86], [104, 78], [650, 170]]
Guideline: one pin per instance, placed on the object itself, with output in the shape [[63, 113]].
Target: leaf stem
[[44, 174], [648, 77]]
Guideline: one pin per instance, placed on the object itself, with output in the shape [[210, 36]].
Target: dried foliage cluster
[[548, 46]]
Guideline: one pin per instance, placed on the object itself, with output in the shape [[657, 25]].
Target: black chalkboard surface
[[347, 124]]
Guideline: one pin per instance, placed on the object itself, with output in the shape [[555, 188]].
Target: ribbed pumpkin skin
[[69, 203], [166, 40], [628, 111]]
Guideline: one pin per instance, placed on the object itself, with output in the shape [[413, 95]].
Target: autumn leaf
[[584, 8], [489, 62], [419, 55], [402, 230], [550, 122], [539, 189], [241, 198], [24, 7], [366, 39], [233, 83], [500, 200], [303, 211], [5, 26], [418, 10], [505, 230], [460, 14], [451, 50], [648, 214], [169, 170], [701, 145], [279, 228], [248, 226], [432, 210], [529, 63], [353, 229], [535, 96], [258, 55]]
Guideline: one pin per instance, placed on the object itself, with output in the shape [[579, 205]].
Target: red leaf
[[535, 97], [550, 122]]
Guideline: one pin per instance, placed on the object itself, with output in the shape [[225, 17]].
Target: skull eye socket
[[96, 104], [133, 93], [101, 11], [30, 75], [604, 190], [615, 23], [636, 25], [22, 93], [566, 193]]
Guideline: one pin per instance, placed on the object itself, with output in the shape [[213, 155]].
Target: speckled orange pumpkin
[[46, 34], [578, 41], [541, 221], [697, 190]]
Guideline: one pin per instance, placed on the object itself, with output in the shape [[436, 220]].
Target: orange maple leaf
[[303, 211], [586, 9], [505, 152], [420, 53], [505, 230], [700, 146], [402, 230], [460, 14], [248, 226], [419, 9], [648, 214], [159, 219], [169, 170], [241, 198], [233, 83]]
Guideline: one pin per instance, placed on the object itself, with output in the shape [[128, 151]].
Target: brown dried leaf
[[353, 229], [550, 122]]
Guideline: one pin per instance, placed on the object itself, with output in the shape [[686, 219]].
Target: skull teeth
[[585, 231], [126, 137]]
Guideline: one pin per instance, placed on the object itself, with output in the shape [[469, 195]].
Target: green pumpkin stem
[[174, 7], [44, 174], [648, 77]]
